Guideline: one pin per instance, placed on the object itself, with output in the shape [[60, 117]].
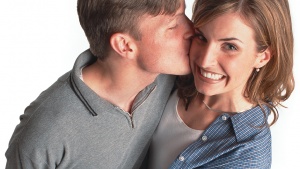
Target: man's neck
[[118, 83]]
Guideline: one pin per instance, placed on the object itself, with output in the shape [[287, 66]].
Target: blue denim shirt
[[239, 141]]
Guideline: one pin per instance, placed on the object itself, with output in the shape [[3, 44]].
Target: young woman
[[241, 59]]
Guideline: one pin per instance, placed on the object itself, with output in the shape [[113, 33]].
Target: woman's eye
[[230, 47], [200, 37]]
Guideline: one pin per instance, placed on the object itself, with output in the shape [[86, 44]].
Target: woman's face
[[223, 56]]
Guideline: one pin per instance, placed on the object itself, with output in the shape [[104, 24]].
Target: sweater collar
[[93, 102]]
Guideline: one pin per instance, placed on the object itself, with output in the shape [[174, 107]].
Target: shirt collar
[[249, 123]]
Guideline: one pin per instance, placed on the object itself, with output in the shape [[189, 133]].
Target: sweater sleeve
[[16, 159]]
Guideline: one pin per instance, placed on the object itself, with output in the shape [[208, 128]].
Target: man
[[103, 112]]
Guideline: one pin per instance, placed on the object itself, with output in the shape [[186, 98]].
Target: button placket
[[181, 158], [204, 138], [224, 118]]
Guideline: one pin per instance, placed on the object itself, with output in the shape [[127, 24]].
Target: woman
[[241, 59]]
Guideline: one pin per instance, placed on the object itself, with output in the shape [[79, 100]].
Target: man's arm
[[16, 159]]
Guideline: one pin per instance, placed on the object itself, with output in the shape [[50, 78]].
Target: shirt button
[[181, 158], [224, 117], [204, 138]]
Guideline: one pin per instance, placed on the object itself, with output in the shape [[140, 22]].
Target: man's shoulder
[[46, 127], [49, 113]]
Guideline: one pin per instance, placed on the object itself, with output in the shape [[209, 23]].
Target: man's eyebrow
[[230, 39], [174, 17]]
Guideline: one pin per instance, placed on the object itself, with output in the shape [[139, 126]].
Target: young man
[[103, 112]]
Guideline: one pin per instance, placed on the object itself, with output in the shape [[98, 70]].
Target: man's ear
[[263, 58], [124, 45]]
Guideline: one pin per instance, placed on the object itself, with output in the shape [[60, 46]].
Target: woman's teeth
[[211, 75]]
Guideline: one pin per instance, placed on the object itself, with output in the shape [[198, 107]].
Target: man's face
[[165, 43]]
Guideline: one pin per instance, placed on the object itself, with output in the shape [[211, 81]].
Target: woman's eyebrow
[[222, 39], [230, 39]]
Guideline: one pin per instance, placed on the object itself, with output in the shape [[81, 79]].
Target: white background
[[39, 41]]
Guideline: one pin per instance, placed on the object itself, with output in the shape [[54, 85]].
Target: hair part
[[100, 19], [271, 22]]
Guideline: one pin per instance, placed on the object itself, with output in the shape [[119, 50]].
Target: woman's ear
[[263, 58], [124, 45]]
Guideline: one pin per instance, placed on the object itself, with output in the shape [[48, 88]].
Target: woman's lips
[[210, 75]]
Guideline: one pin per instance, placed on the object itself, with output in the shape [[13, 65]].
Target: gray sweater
[[70, 126]]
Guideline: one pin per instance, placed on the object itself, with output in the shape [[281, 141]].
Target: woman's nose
[[207, 55]]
